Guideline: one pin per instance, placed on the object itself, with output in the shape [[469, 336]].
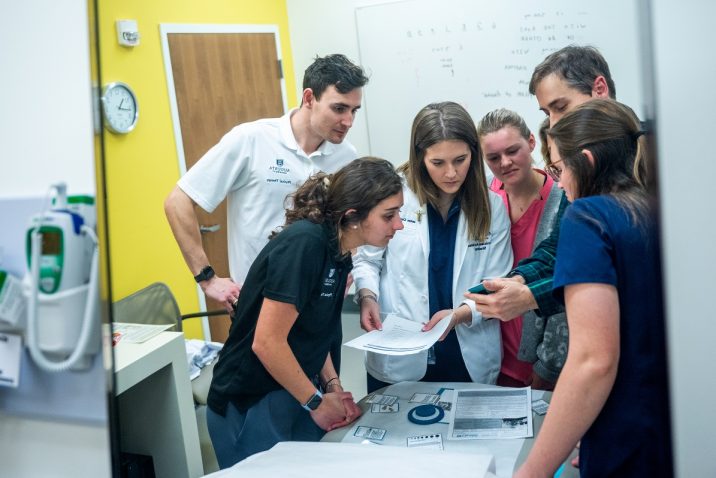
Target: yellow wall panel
[[142, 166]]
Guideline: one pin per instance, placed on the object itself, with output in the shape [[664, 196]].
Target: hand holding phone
[[479, 289]]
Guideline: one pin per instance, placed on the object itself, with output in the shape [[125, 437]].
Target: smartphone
[[479, 289]]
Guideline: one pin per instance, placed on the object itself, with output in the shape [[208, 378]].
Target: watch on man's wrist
[[205, 274], [314, 401]]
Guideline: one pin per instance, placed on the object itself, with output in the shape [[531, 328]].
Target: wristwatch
[[205, 274], [314, 401]]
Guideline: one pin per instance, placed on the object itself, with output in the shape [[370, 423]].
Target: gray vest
[[544, 339]]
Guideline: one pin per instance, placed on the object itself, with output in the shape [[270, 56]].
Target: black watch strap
[[205, 274]]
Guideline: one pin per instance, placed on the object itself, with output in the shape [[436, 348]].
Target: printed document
[[400, 337], [491, 413], [135, 333]]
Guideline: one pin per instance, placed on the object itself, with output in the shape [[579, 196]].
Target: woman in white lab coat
[[456, 233]]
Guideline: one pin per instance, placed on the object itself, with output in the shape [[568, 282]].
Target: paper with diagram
[[400, 337], [491, 413]]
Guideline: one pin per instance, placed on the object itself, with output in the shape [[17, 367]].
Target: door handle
[[205, 229]]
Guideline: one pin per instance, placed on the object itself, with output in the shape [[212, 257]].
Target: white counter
[[156, 408]]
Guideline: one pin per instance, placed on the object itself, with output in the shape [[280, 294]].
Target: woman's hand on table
[[336, 410]]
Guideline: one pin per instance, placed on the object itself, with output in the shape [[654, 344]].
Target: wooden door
[[220, 81]]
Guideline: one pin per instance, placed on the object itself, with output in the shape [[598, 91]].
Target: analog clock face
[[120, 108]]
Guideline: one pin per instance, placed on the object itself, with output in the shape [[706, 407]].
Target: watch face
[[314, 402], [120, 108]]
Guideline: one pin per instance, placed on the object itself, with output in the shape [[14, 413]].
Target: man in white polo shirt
[[256, 165]]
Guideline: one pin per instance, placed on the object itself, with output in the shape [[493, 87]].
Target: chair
[[154, 304]]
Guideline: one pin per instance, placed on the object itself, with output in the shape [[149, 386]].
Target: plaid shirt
[[538, 269]]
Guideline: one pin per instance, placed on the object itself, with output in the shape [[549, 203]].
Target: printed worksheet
[[135, 333], [491, 413], [400, 337]]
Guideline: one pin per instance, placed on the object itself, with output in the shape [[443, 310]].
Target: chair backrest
[[154, 304]]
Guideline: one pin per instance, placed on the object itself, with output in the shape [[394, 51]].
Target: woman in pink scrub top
[[534, 347]]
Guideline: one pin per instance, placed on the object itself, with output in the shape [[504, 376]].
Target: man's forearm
[[181, 215], [545, 302]]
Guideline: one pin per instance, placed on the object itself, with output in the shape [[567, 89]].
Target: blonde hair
[[500, 118]]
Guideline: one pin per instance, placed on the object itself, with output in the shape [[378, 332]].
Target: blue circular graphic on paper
[[426, 414]]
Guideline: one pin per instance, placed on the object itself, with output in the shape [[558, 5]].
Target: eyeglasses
[[553, 172]]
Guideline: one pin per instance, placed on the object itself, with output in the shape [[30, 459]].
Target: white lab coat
[[398, 274]]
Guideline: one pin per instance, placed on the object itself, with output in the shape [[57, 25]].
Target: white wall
[[686, 121], [322, 27], [46, 135], [45, 128]]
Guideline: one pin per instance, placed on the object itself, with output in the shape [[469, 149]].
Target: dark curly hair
[[358, 186]]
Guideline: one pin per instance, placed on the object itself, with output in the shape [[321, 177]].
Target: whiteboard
[[481, 54]]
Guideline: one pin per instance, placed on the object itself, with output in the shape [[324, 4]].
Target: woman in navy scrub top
[[613, 390]]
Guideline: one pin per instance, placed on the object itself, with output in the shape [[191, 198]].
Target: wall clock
[[120, 108]]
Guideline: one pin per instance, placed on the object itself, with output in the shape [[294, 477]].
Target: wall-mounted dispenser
[[62, 284]]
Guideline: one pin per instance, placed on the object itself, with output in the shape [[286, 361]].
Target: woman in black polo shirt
[[276, 377]]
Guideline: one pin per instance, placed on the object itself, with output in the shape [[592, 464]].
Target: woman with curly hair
[[276, 378]]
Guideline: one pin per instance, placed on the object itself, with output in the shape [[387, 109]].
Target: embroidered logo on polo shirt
[[279, 169], [329, 284]]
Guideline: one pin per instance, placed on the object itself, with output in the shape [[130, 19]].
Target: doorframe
[[165, 29]]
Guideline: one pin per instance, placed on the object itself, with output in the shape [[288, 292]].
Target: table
[[506, 452], [156, 409], [348, 460]]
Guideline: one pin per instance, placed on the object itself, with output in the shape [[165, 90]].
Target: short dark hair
[[578, 66], [336, 70]]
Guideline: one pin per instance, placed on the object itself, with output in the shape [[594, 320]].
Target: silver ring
[[236, 301]]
